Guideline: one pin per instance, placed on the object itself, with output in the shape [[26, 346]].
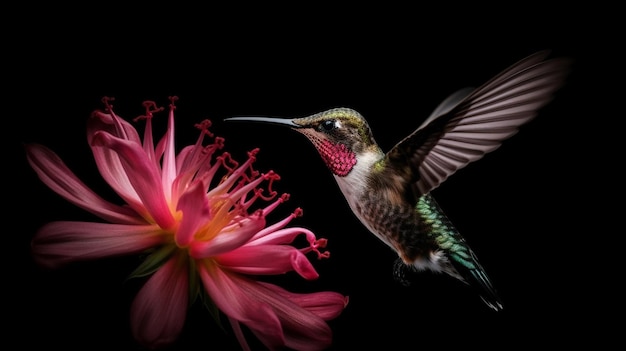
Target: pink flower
[[193, 212]]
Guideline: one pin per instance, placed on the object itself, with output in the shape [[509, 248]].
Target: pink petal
[[159, 309], [108, 161], [142, 174], [239, 334], [228, 239], [268, 259], [114, 125], [303, 329], [168, 171], [236, 298], [55, 174], [325, 304], [195, 208], [57, 243], [282, 236]]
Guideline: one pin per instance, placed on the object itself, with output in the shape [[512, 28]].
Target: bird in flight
[[390, 193]]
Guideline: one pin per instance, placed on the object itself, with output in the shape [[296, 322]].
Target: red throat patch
[[337, 157]]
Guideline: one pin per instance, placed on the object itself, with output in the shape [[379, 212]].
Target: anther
[[106, 100], [271, 176], [151, 108], [173, 100], [226, 157], [204, 127], [297, 212], [252, 154]]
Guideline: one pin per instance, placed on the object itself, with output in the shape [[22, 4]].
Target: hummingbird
[[390, 193]]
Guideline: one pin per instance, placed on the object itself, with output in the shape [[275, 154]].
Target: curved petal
[[108, 161], [236, 298], [114, 125], [325, 304], [282, 236], [142, 174], [268, 259], [168, 170], [57, 243], [239, 334], [159, 309], [194, 205], [55, 174], [302, 329], [226, 241]]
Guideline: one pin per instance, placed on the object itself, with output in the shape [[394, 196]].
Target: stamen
[[106, 100], [107, 106], [271, 176], [247, 203], [284, 197], [173, 100], [252, 154], [252, 158], [315, 246], [151, 108], [219, 142], [204, 128], [297, 212], [225, 157]]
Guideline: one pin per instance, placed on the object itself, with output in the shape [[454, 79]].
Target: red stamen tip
[[173, 100], [284, 197], [219, 142], [322, 242], [151, 107], [224, 158], [204, 127], [106, 100], [252, 154], [298, 212]]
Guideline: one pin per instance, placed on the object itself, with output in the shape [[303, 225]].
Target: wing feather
[[471, 123]]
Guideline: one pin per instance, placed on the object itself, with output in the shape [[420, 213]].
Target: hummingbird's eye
[[328, 125]]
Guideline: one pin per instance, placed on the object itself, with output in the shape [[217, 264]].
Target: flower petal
[[325, 304], [228, 240], [236, 298], [142, 174], [282, 236], [268, 259], [168, 170], [195, 208], [55, 174], [303, 329], [108, 161], [112, 124], [159, 309], [57, 243]]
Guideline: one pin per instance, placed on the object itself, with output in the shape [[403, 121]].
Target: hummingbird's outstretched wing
[[469, 124]]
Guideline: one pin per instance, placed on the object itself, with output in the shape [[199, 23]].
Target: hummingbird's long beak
[[279, 121]]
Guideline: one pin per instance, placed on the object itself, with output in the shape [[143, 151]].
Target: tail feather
[[474, 275]]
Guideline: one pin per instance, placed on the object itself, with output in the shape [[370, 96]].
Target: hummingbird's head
[[340, 135]]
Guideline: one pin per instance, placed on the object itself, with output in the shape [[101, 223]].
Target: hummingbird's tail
[[469, 270], [454, 256], [474, 277]]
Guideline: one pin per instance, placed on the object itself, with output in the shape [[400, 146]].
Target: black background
[[534, 211]]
